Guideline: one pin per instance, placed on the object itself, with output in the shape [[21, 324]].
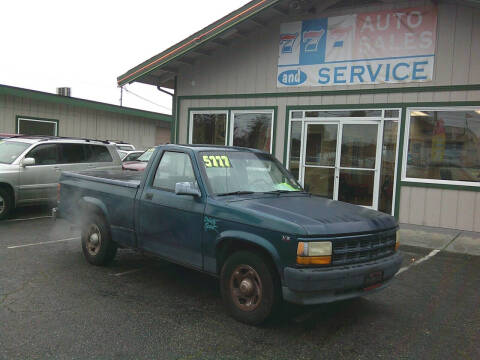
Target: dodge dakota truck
[[237, 214]]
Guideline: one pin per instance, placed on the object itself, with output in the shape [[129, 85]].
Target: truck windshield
[[11, 150], [237, 172]]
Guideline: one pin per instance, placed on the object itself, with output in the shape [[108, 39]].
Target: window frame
[[252, 111], [289, 110], [154, 174], [90, 152], [57, 153], [18, 118], [406, 143], [208, 112]]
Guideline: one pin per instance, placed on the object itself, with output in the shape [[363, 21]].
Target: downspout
[[174, 109]]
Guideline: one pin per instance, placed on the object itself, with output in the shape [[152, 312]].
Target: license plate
[[373, 278]]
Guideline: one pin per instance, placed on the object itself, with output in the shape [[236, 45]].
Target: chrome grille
[[363, 248]]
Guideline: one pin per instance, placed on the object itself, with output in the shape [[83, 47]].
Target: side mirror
[[187, 188], [28, 162]]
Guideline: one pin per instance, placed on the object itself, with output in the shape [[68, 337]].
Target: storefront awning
[[161, 69]]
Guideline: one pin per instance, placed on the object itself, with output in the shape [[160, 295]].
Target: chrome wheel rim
[[93, 240], [246, 288], [2, 205]]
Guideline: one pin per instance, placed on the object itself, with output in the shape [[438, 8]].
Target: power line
[[145, 99]]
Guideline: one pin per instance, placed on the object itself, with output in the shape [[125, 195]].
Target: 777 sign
[[287, 42], [311, 39]]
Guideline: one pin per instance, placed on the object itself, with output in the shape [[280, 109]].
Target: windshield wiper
[[242, 192], [281, 191]]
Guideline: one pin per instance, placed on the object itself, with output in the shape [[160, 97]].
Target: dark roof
[[217, 31], [95, 105], [207, 147]]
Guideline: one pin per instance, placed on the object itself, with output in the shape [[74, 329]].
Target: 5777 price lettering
[[216, 161]]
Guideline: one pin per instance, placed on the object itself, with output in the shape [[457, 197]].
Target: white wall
[[454, 209], [250, 65], [77, 121]]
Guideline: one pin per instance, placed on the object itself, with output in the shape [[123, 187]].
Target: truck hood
[[316, 215]]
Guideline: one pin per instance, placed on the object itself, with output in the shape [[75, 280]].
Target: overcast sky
[[86, 44]]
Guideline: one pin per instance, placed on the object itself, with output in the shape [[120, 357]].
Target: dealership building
[[376, 103], [29, 112]]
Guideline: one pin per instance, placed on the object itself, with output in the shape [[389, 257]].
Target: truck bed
[[114, 177], [112, 192]]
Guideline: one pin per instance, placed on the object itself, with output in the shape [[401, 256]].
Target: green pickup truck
[[237, 214]]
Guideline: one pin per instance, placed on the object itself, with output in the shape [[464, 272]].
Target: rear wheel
[[249, 287], [97, 245], [6, 203]]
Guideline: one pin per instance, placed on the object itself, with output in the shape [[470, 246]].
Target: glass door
[[320, 158], [341, 160], [359, 163]]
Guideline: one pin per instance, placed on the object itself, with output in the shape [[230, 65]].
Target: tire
[[250, 287], [6, 203], [99, 250]]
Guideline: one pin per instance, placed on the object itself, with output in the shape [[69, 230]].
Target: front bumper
[[308, 286]]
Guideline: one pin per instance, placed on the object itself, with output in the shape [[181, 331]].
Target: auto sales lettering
[[394, 46]]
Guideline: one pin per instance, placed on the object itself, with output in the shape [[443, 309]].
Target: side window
[[72, 153], [99, 153], [174, 167], [45, 154]]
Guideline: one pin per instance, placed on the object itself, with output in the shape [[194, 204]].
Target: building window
[[443, 146], [295, 148], [208, 128], [252, 129], [29, 126]]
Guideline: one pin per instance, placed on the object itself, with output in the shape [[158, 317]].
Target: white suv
[[30, 167]]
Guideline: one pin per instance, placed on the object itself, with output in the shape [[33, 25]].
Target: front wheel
[[97, 245], [249, 287], [6, 203]]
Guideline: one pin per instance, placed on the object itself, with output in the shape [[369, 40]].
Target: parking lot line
[[42, 243], [430, 255], [127, 272], [25, 219]]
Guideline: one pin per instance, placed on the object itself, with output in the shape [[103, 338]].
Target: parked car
[[120, 145], [239, 215], [141, 163], [6, 136], [131, 155], [30, 167]]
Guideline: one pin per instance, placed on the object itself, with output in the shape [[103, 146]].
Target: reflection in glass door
[[341, 160], [357, 181], [320, 158]]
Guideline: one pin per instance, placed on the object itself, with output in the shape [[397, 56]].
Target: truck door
[[170, 225]]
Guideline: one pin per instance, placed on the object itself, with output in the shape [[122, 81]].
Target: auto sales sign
[[394, 46]]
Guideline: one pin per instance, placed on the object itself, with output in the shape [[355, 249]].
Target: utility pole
[[121, 95]]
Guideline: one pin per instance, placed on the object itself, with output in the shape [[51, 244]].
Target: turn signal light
[[314, 260]]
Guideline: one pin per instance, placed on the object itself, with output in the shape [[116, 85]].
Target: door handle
[[149, 196]]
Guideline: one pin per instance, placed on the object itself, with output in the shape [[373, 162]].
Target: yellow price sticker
[[221, 161]]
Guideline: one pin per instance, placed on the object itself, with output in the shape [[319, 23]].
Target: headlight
[[397, 240], [314, 253]]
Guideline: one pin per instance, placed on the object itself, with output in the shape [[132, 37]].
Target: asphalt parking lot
[[55, 305]]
